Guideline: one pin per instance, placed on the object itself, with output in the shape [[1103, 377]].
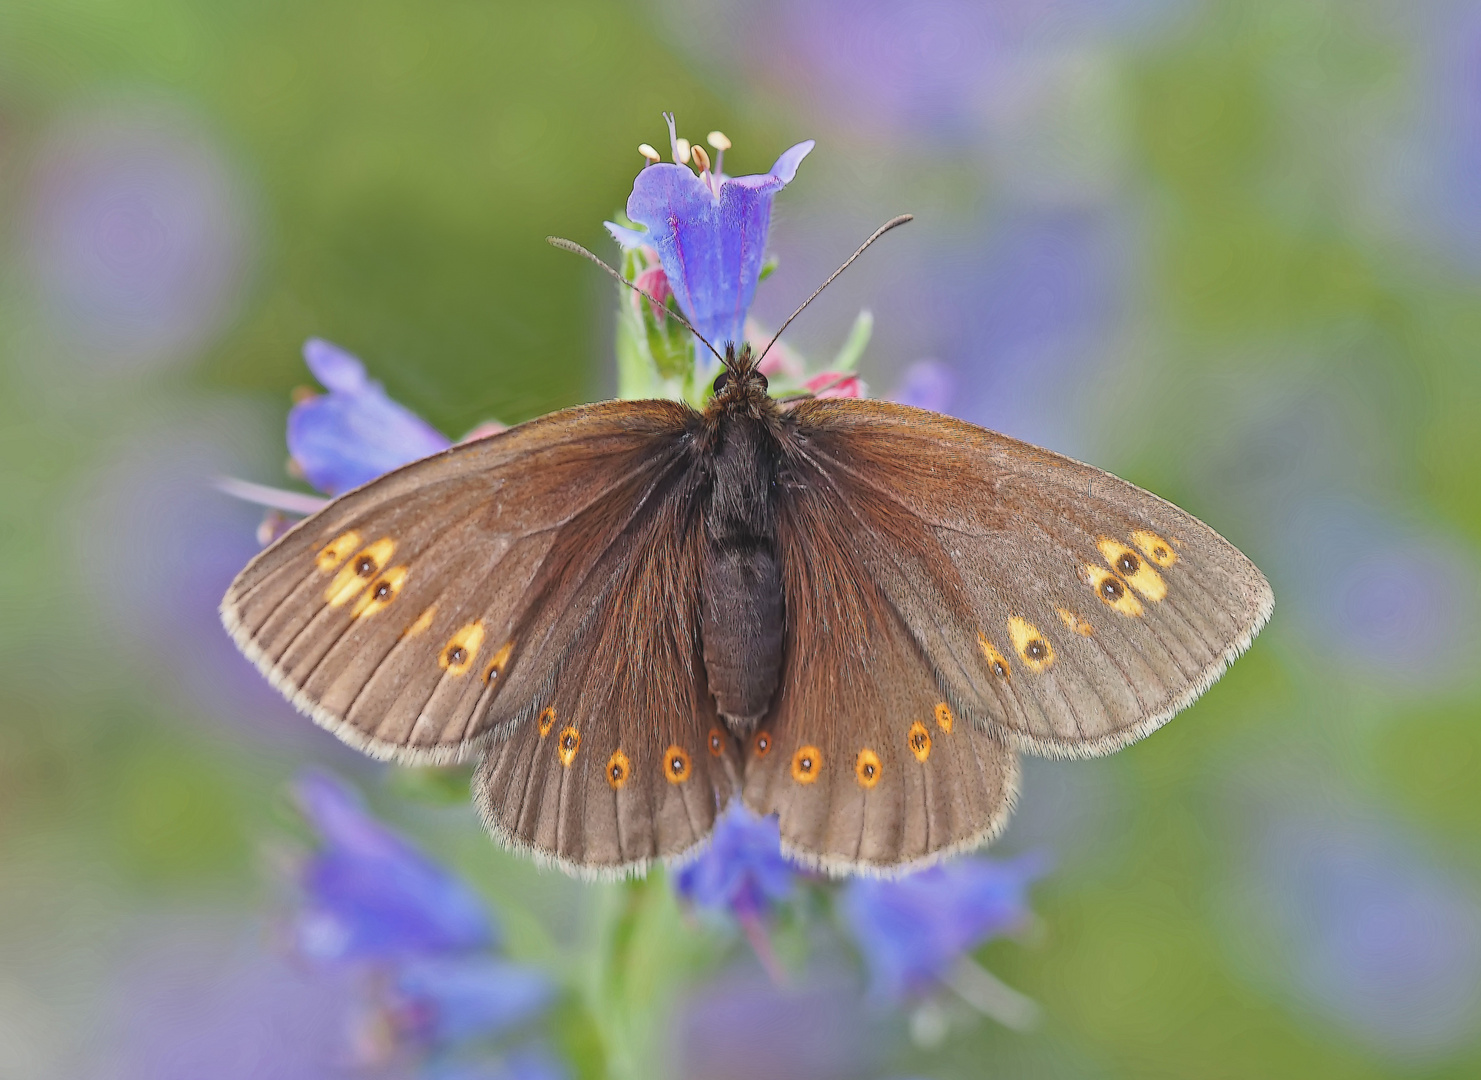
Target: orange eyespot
[[1112, 590], [382, 591], [806, 764], [618, 769], [919, 740], [498, 662], [1136, 573], [676, 764], [547, 721], [567, 745], [762, 743], [717, 742], [336, 551], [944, 719], [867, 768]]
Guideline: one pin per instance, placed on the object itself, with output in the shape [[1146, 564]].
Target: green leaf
[[856, 342]]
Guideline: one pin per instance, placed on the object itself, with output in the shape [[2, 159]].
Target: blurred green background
[[1229, 250]]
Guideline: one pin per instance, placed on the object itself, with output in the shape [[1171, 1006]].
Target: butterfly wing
[[1067, 610], [620, 758], [416, 614], [866, 763]]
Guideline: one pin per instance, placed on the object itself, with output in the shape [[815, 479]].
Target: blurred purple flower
[[370, 895], [1400, 603], [354, 433], [742, 870], [137, 235], [710, 234], [928, 384], [911, 930], [1375, 935], [438, 1000]]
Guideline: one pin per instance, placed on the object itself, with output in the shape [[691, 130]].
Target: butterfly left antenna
[[886, 227], [576, 249]]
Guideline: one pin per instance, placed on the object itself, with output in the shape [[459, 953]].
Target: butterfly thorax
[[744, 611]]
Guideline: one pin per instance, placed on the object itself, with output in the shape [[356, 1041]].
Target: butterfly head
[[741, 387]]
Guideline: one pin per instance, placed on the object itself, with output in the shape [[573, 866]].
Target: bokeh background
[[1230, 249]]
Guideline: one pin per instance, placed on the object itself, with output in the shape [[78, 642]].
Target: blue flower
[[355, 432], [742, 870], [709, 231], [525, 1063], [371, 895], [444, 999], [911, 930]]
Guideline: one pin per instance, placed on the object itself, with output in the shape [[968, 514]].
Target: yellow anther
[[718, 140], [701, 158], [648, 152], [681, 151]]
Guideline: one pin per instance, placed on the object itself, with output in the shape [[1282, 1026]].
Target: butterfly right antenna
[[576, 249], [886, 227]]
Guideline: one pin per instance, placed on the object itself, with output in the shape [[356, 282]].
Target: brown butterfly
[[849, 613]]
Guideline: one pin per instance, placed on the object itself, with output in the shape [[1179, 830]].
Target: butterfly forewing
[[1067, 609], [403, 611]]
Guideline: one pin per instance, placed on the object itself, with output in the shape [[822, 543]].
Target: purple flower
[[1371, 932], [742, 870], [438, 1000], [928, 384], [354, 433], [371, 895], [913, 929], [709, 231]]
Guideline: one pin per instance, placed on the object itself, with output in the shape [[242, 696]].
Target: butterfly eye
[[721, 381], [762, 379]]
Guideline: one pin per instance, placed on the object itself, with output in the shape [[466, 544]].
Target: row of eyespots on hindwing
[[807, 760], [677, 764]]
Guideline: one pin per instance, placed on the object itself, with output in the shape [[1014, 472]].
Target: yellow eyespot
[[618, 769], [806, 764], [676, 764], [567, 745], [1133, 570], [547, 721], [867, 768], [919, 740], [995, 660], [458, 654], [944, 719], [1154, 547], [356, 574], [1032, 647], [336, 551], [382, 591], [498, 662], [1111, 590]]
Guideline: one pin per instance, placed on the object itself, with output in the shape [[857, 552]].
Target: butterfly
[[850, 613]]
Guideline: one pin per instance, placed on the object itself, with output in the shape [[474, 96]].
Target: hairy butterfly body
[[849, 613]]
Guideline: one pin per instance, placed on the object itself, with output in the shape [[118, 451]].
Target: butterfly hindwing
[[1066, 608], [867, 765], [620, 757]]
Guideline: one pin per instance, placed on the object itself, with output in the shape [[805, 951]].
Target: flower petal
[[370, 894], [445, 999], [711, 244], [354, 433], [743, 869], [911, 930]]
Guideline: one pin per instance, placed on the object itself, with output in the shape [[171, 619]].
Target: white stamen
[[649, 153], [718, 140], [681, 151]]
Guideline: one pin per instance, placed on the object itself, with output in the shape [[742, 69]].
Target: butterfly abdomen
[[741, 592]]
